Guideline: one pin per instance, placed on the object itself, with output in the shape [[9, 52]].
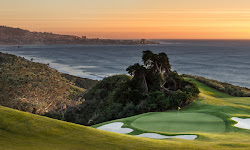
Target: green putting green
[[184, 122]]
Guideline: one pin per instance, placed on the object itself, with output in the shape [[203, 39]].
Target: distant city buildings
[[84, 37], [77, 38], [143, 41]]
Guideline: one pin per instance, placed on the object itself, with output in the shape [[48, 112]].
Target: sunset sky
[[151, 19]]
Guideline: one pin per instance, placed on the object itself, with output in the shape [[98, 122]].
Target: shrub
[[156, 101]]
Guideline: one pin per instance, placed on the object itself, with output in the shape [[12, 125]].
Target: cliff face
[[35, 87]]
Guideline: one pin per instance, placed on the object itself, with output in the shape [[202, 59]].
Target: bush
[[129, 110], [156, 101], [55, 115], [80, 82]]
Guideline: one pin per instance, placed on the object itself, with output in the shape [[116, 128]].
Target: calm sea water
[[223, 60]]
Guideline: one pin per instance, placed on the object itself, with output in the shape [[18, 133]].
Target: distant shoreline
[[17, 36], [37, 44], [86, 42]]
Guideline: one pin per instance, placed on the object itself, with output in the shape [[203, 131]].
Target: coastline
[[18, 36], [40, 44], [99, 61]]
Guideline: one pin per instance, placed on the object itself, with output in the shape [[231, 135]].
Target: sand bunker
[[115, 127], [158, 136], [242, 123]]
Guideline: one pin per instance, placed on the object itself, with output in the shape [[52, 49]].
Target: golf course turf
[[209, 118], [24, 131], [182, 122]]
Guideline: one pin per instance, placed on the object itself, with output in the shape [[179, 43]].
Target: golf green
[[184, 122]]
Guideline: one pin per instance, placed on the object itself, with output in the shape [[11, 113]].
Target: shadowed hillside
[[80, 82]]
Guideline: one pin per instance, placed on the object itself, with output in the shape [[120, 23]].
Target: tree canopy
[[153, 87], [154, 65]]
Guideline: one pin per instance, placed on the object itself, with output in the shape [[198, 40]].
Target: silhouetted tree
[[155, 64], [139, 73]]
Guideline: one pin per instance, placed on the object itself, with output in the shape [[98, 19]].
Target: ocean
[[222, 60]]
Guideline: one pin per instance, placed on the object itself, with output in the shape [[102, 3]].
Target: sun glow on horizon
[[180, 19]]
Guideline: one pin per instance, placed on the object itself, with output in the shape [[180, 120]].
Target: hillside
[[24, 131], [223, 86], [35, 87], [9, 35], [17, 36], [80, 82]]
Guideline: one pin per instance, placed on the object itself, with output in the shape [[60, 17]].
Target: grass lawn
[[209, 118], [25, 131], [184, 122]]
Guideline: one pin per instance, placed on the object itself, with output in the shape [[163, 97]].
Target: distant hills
[[9, 35], [17, 36]]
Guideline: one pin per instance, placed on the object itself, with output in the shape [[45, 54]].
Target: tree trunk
[[144, 84], [175, 84], [157, 67]]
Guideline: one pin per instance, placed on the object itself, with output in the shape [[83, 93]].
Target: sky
[[132, 19]]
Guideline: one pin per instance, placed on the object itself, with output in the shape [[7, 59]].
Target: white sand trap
[[115, 127], [158, 136], [242, 123]]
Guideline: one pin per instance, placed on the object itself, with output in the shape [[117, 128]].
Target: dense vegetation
[[35, 87], [152, 87], [223, 86], [80, 82]]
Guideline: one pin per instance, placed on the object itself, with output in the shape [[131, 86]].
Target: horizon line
[[128, 38]]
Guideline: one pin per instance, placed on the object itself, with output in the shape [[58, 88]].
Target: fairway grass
[[24, 131], [173, 122], [210, 119]]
